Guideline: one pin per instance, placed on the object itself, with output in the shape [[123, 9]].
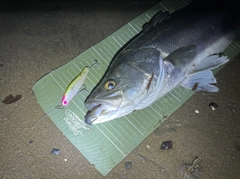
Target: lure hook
[[95, 62]]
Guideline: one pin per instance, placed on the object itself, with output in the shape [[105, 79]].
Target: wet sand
[[36, 38]]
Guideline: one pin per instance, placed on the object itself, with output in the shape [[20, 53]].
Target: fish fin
[[210, 63], [157, 19], [202, 79], [186, 54], [202, 75]]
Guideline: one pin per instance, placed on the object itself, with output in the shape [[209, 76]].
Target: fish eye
[[109, 85]]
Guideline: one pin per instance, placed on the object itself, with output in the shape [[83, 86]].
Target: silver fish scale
[[201, 30], [148, 62]]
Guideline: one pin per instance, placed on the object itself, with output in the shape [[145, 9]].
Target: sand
[[36, 38]]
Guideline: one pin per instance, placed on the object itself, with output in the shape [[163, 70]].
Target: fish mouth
[[92, 114], [100, 111]]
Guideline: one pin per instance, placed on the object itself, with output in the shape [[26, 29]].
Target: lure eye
[[65, 102], [109, 85]]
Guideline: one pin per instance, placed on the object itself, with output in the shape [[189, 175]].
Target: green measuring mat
[[106, 144]]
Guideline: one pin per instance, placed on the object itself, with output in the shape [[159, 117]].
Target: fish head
[[120, 91], [114, 96]]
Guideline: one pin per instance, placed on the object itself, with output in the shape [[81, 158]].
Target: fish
[[173, 49]]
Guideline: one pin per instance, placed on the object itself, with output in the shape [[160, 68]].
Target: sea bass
[[173, 49]]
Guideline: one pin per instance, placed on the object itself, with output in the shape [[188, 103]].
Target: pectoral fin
[[210, 62], [182, 56], [203, 80], [202, 74]]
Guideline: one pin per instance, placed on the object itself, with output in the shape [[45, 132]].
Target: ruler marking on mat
[[113, 135], [111, 141], [132, 125], [163, 7], [131, 32], [156, 111], [133, 28], [56, 81], [118, 133], [116, 41], [99, 54], [107, 56], [121, 40], [111, 54]]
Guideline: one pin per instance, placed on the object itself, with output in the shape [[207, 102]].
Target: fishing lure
[[71, 91], [73, 88]]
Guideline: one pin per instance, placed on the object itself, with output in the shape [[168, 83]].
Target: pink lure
[[75, 85]]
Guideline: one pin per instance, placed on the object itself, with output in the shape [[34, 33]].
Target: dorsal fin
[[156, 19], [161, 17]]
